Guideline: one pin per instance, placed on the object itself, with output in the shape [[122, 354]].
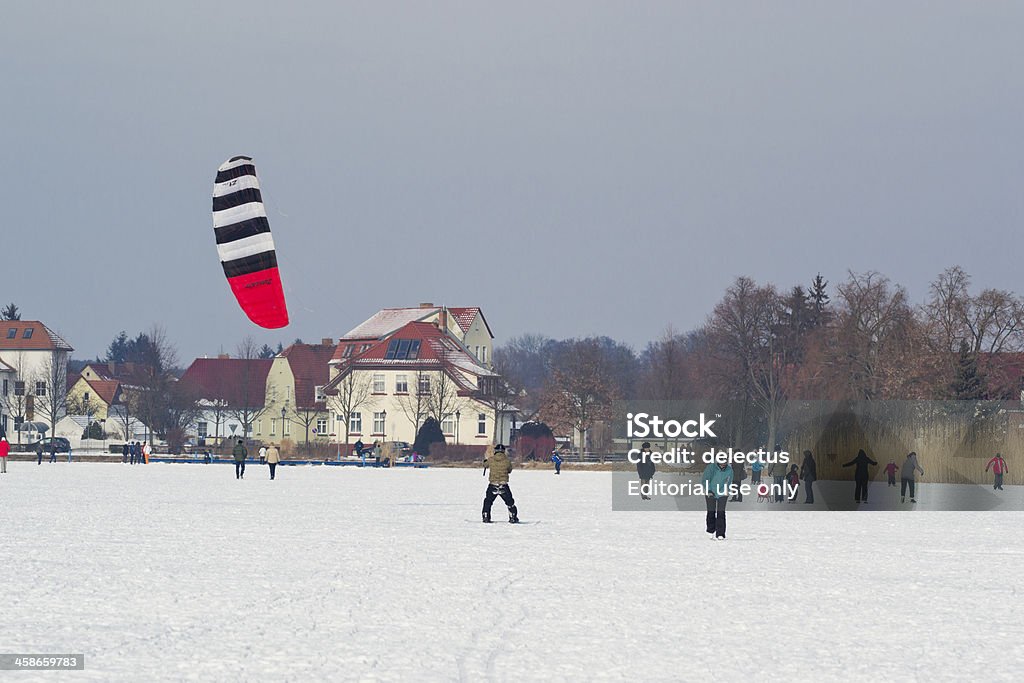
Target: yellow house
[[93, 397], [296, 408]]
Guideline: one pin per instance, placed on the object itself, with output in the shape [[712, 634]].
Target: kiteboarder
[[500, 467], [557, 460]]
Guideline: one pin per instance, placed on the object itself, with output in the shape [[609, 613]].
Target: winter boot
[[513, 515], [487, 517]]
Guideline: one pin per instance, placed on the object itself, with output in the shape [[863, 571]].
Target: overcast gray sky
[[572, 167]]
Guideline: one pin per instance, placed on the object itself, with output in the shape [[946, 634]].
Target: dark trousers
[[892, 480], [495, 490], [273, 468], [716, 515], [903, 487], [809, 486], [558, 468], [39, 458], [239, 469], [777, 481], [53, 456], [998, 483], [860, 490]]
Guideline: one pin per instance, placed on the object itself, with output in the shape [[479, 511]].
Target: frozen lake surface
[[180, 572]]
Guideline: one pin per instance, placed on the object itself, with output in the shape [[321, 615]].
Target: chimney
[[327, 341], [223, 356], [442, 319], [426, 305]]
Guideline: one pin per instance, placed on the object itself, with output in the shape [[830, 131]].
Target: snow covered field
[[180, 572]]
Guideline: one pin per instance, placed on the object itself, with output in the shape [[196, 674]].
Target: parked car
[[60, 444]]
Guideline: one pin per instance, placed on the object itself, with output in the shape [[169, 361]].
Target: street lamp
[[283, 412], [384, 432], [458, 416]]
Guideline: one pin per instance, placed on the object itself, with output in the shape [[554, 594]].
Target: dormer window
[[27, 334], [12, 332]]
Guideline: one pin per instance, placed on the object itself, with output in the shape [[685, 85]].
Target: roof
[[387, 320], [40, 337], [126, 373], [4, 367], [465, 316], [241, 382], [106, 389], [310, 367], [437, 351]]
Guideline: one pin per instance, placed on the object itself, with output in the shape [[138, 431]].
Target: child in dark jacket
[[793, 479]]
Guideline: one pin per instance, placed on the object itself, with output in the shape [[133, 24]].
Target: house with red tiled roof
[[36, 357], [232, 394], [296, 408], [467, 324], [385, 391]]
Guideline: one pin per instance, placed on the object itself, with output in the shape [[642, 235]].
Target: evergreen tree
[[820, 313], [10, 312], [969, 384], [267, 352], [430, 433]]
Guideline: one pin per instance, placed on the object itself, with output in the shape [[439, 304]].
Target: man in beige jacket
[[273, 457], [500, 467]]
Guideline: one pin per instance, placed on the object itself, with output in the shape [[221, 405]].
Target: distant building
[[32, 358], [232, 394], [296, 406]]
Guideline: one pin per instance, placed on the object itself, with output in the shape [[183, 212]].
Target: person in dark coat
[[240, 453], [645, 470], [809, 473], [124, 454], [860, 475], [53, 451], [39, 453]]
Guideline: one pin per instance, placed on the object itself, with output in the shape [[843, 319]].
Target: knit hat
[[499, 448]]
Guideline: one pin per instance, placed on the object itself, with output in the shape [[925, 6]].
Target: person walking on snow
[[793, 479], [645, 469], [263, 454], [5, 448], [147, 450], [755, 472], [557, 459], [240, 453], [500, 467], [778, 474], [890, 471], [739, 473], [809, 473], [910, 468], [717, 479], [53, 451], [273, 457], [860, 475], [998, 465], [124, 454]]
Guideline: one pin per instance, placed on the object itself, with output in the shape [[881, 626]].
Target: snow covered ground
[[180, 572]]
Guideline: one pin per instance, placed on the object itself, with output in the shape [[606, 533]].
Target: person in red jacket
[[5, 448], [891, 470], [998, 465]]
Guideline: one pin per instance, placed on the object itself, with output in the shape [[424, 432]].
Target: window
[[201, 430], [19, 388], [378, 423], [40, 388], [481, 424], [6, 387], [27, 334], [401, 384], [365, 347], [355, 423], [287, 429], [403, 349], [483, 354], [85, 396], [348, 351], [321, 426], [424, 384], [448, 424], [378, 384], [259, 427], [12, 332], [318, 395], [273, 427]]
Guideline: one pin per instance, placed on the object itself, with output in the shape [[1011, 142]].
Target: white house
[[34, 362]]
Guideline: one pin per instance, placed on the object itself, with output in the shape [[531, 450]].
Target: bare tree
[[354, 391], [16, 399], [581, 391], [444, 399], [499, 395], [51, 388], [415, 404], [250, 398]]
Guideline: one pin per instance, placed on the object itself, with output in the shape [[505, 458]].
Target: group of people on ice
[[135, 453]]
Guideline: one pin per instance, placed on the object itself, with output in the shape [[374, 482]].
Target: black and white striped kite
[[244, 244]]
